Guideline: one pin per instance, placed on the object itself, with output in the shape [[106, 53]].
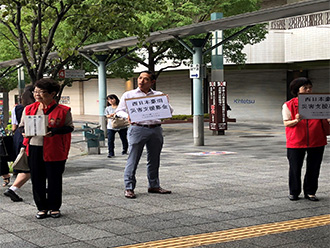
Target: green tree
[[8, 79], [46, 34], [184, 12]]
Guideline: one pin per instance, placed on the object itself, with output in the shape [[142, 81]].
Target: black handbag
[[7, 147]]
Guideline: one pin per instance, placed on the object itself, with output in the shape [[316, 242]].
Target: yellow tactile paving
[[236, 234]]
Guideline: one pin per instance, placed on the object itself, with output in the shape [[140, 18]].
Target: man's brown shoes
[[129, 193], [159, 191]]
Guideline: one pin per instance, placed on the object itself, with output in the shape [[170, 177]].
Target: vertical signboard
[[218, 106]]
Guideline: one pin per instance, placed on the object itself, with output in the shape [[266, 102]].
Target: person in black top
[[22, 176]]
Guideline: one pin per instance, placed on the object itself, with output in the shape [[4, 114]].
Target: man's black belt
[[148, 126]]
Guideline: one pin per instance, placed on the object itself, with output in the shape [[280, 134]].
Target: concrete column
[[217, 72], [102, 84], [198, 120]]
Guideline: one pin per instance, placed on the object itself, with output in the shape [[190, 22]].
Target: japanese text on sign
[[71, 74], [314, 106], [148, 108], [218, 102]]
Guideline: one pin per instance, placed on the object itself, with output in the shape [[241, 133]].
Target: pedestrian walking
[[16, 115]]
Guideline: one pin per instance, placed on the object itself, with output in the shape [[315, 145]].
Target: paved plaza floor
[[235, 183]]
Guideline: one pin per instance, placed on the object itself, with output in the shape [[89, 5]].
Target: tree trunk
[[151, 63]]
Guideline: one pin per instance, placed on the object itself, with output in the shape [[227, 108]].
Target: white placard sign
[[148, 108], [314, 106], [194, 71], [35, 125]]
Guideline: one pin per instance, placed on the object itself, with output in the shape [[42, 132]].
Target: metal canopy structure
[[246, 19], [252, 18]]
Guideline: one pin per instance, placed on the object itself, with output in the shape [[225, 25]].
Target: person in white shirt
[[145, 133], [109, 112]]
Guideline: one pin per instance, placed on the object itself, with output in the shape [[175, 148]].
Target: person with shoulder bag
[[113, 127]]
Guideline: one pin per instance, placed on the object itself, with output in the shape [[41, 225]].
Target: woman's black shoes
[[311, 197], [293, 197], [55, 214], [308, 197], [42, 214]]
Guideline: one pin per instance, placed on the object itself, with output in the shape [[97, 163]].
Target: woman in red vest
[[303, 137], [47, 154]]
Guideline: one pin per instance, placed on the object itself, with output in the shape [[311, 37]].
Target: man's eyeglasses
[[41, 92]]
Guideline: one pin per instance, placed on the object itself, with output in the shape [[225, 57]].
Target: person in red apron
[[47, 154]]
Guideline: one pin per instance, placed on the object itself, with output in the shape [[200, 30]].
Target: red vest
[[56, 147], [307, 133]]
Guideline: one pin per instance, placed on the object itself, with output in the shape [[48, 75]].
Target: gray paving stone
[[183, 231], [214, 226], [44, 237], [7, 238], [73, 245], [18, 244], [269, 241], [210, 193], [83, 232], [26, 226], [111, 242], [237, 244], [87, 216], [119, 227], [148, 236]]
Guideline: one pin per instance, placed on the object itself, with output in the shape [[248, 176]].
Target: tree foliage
[[184, 12], [35, 30]]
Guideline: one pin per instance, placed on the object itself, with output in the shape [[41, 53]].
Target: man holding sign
[[145, 130]]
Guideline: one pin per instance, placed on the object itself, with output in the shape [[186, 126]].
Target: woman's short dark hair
[[48, 84], [297, 83], [113, 96]]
